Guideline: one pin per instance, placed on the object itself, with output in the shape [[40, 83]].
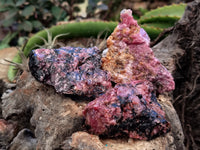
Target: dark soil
[[187, 76]]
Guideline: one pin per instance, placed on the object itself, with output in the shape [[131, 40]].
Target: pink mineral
[[129, 56], [70, 70], [127, 110]]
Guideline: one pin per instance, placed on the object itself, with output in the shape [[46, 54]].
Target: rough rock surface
[[50, 116], [82, 141], [24, 140], [7, 133], [71, 70], [127, 110], [34, 95], [53, 118], [129, 56]]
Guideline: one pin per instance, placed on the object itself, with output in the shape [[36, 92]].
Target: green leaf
[[9, 3], [6, 40], [26, 26], [12, 12], [161, 25], [2, 2], [3, 9], [11, 18], [166, 13], [56, 11], [36, 24], [8, 21], [28, 11], [8, 37], [2, 46], [143, 11], [20, 2]]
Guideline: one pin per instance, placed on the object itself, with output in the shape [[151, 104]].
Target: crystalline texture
[[129, 56], [70, 70], [130, 108], [127, 109]]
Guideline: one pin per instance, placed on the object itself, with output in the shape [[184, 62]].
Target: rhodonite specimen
[[70, 70], [127, 109], [129, 56]]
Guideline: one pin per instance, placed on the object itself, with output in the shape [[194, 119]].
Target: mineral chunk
[[129, 56], [70, 70], [127, 109]]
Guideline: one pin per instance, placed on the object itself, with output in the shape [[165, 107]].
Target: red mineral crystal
[[127, 109], [71, 70], [129, 56]]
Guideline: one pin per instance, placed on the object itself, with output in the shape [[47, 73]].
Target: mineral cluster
[[130, 108], [129, 56], [127, 109], [70, 70]]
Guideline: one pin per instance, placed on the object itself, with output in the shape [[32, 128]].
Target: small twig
[[194, 145], [5, 64], [43, 39], [11, 62], [194, 86], [56, 37], [90, 42], [165, 31], [49, 43], [24, 64], [102, 44], [59, 44], [185, 96], [24, 45], [183, 110], [177, 98], [23, 57], [177, 62]]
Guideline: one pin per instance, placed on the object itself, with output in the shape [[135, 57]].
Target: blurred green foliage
[[107, 10], [29, 16]]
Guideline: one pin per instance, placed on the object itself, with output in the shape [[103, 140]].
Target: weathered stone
[[85, 141], [7, 133], [51, 116], [24, 140], [172, 117]]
